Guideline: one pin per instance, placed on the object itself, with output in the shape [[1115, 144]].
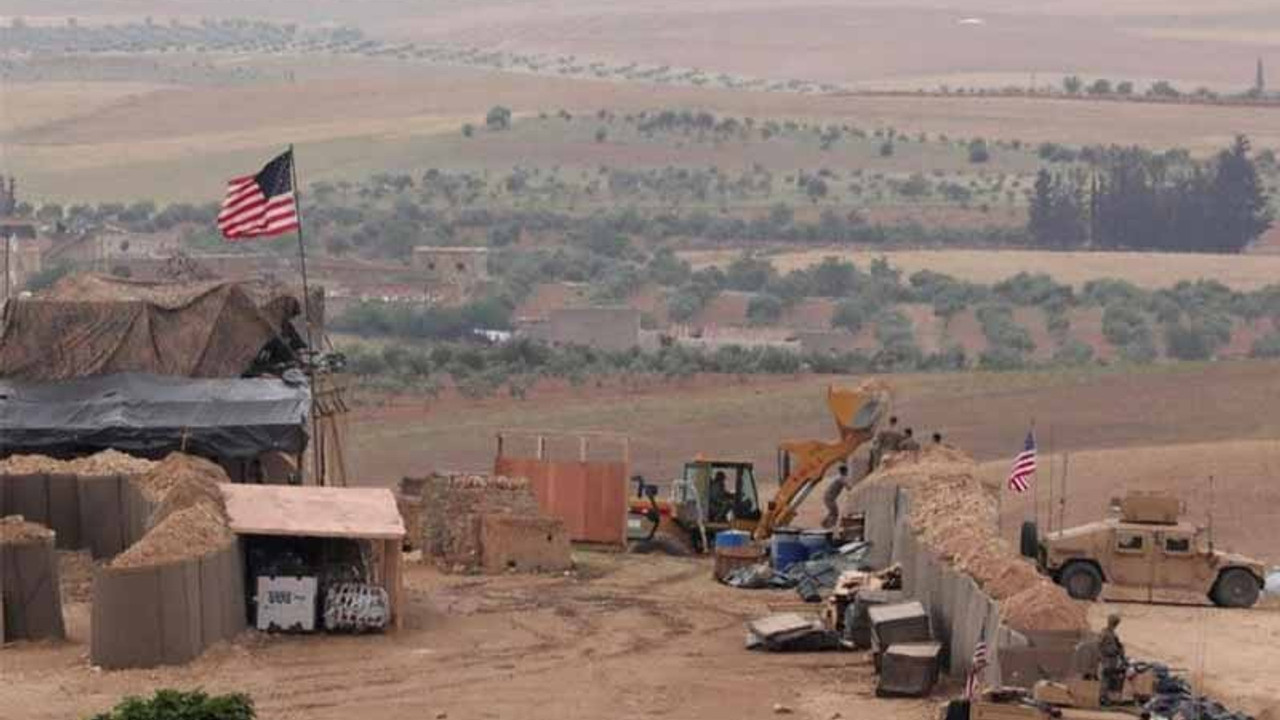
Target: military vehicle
[[1148, 553]]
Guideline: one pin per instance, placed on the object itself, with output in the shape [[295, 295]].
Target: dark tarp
[[89, 326], [153, 415]]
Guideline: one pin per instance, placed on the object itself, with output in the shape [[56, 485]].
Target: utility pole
[[1260, 83]]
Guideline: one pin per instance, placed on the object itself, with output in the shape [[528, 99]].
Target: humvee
[[1149, 554]]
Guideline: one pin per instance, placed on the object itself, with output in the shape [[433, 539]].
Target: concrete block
[[524, 543]]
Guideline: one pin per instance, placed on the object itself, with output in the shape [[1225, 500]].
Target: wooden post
[[542, 447], [393, 580], [582, 448]]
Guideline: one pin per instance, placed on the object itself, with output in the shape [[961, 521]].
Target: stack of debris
[[485, 522], [854, 592], [904, 650], [812, 579], [790, 632]]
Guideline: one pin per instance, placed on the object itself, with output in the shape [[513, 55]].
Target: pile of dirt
[[75, 573], [15, 530], [190, 518], [107, 462], [956, 517], [187, 533], [179, 469], [485, 482]]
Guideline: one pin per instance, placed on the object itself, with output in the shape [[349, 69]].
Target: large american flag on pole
[[1024, 465], [261, 205]]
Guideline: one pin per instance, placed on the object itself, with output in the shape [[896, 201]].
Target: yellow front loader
[[718, 494]]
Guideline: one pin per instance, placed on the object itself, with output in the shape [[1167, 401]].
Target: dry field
[[349, 118], [1149, 270]]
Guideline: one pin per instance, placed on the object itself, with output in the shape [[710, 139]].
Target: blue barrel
[[816, 542], [732, 538], [787, 549]]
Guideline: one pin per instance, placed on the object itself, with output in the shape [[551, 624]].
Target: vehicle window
[[1130, 542], [1177, 545]]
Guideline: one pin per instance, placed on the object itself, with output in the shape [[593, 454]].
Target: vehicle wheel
[[1236, 588], [1082, 581], [1030, 540], [660, 544]]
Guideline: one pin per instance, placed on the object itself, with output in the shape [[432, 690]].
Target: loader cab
[[727, 490]]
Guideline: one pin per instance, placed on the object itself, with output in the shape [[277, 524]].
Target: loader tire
[[1236, 588], [1030, 540], [1081, 580], [659, 544]]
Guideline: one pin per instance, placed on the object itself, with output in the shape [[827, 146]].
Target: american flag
[[1024, 466], [980, 662], [261, 205]]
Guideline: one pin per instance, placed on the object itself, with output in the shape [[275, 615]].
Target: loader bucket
[[860, 408]]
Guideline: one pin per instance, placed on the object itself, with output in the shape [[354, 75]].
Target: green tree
[[1072, 84], [851, 315], [886, 149], [749, 273], [1101, 86], [1124, 87], [764, 310], [1240, 211], [601, 135], [498, 118], [468, 130], [978, 151]]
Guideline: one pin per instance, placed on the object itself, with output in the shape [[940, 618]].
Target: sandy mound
[[15, 530], [179, 469], [190, 518], [498, 482], [107, 462], [956, 516], [187, 533]]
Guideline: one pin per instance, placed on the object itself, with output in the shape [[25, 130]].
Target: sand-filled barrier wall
[[103, 514], [31, 608], [165, 614], [928, 513]]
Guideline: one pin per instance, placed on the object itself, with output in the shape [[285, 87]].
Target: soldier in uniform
[[831, 496], [1113, 662], [909, 443], [886, 441]]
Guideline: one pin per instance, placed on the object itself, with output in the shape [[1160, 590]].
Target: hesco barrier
[[961, 613], [104, 514], [166, 614], [32, 605]]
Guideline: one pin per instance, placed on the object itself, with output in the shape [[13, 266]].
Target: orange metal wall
[[590, 497]]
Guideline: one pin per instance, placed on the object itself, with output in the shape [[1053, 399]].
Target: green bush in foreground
[[180, 705]]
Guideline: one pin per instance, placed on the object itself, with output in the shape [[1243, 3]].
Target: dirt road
[[625, 636]]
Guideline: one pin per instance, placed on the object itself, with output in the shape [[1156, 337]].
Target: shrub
[[764, 310], [978, 151], [1188, 343], [1267, 346], [850, 315], [179, 705], [1073, 352], [749, 273], [1122, 326]]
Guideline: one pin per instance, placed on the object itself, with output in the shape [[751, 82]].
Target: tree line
[[1129, 198]]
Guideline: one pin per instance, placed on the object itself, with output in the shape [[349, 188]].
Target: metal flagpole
[[316, 441]]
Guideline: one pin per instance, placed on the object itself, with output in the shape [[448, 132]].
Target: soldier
[[831, 496], [887, 440], [1113, 663], [909, 443]]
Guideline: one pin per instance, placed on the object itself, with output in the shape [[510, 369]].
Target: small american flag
[[980, 662], [261, 205], [1024, 466]]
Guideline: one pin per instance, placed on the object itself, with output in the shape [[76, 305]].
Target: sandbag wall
[[103, 514], [32, 602], [961, 613], [167, 614]]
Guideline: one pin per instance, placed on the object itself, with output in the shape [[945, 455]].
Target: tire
[[1236, 588], [1081, 580], [659, 544], [1030, 540]]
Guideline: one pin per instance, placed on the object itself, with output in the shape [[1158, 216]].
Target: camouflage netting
[[953, 514], [87, 325]]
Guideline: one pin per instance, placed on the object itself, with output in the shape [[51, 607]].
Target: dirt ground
[[623, 636]]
